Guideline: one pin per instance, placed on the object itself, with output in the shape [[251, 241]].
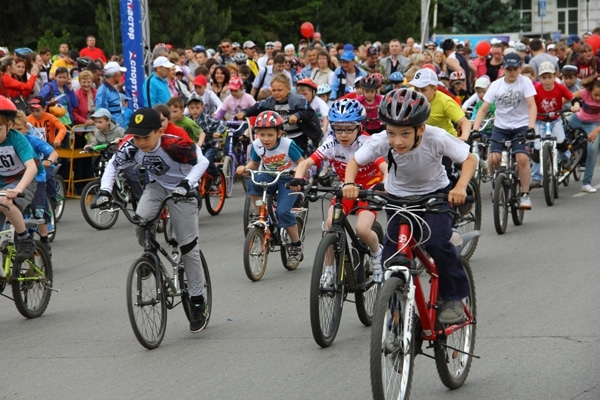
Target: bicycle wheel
[[326, 302], [146, 303], [32, 283], [256, 254], [392, 352], [365, 301], [576, 157], [500, 204], [228, 172], [249, 214], [60, 197], [96, 218], [52, 224], [516, 212], [470, 221], [215, 195], [548, 179], [453, 354], [285, 242]]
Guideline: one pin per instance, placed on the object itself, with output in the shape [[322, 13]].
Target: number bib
[[10, 163]]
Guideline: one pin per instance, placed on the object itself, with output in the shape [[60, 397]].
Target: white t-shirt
[[321, 108], [511, 107], [420, 171]]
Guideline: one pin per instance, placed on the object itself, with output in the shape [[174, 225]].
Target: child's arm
[[201, 138], [61, 131], [481, 113], [532, 111], [241, 170], [459, 193], [303, 167]]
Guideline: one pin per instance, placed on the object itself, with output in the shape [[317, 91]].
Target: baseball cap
[[162, 61], [235, 44], [143, 122], [178, 69], [37, 102], [113, 67], [551, 46], [347, 56], [512, 60], [573, 39], [235, 83], [373, 50], [101, 112], [198, 48], [424, 77], [572, 69], [200, 80], [482, 83], [123, 96], [269, 44], [348, 47], [249, 44], [195, 97], [546, 67]]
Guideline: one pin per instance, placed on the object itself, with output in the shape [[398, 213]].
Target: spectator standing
[[396, 61], [345, 75], [67, 62], [46, 56], [262, 61], [86, 96], [323, 74], [91, 50], [538, 56], [574, 42], [263, 80], [107, 96], [155, 89], [250, 50], [12, 87]]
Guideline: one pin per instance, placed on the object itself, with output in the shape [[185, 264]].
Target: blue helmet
[[397, 77], [346, 111]]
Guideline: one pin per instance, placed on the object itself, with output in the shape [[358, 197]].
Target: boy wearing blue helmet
[[346, 117]]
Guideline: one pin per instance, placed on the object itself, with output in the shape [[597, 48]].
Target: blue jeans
[[285, 202], [593, 148], [210, 156]]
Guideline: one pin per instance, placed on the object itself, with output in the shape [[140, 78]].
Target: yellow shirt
[[444, 112], [60, 63]]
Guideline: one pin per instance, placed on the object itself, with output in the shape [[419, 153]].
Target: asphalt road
[[538, 332]]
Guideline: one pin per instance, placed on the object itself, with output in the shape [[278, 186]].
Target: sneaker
[[328, 277], [294, 256], [376, 267], [25, 248], [588, 189], [525, 203], [198, 316], [452, 312], [535, 184]]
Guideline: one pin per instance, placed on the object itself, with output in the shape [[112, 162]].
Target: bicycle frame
[[265, 214], [548, 138]]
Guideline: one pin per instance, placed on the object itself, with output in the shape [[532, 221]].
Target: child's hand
[[293, 119], [12, 193], [240, 116], [241, 170], [216, 135], [56, 144]]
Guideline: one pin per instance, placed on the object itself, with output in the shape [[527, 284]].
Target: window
[[524, 7], [568, 16]]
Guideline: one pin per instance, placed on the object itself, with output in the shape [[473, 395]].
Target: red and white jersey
[[338, 156]]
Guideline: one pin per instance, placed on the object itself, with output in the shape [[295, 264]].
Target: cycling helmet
[[323, 89], [307, 82], [397, 77], [240, 58], [372, 81], [84, 62], [7, 108], [404, 107], [447, 44], [23, 52], [457, 75], [198, 48], [347, 111], [268, 119]]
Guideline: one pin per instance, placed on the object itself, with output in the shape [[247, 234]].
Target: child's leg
[[38, 205], [51, 183], [364, 221], [210, 156], [285, 216]]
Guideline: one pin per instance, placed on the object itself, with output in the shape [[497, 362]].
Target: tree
[[477, 16]]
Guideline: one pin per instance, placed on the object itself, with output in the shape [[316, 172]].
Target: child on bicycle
[[414, 152], [308, 88], [346, 117], [212, 129], [17, 176], [174, 166], [272, 151], [176, 106], [370, 100]]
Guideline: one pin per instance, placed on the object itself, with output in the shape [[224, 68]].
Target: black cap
[[512, 60], [143, 122], [372, 50]]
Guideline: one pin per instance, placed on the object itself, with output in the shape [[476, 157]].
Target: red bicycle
[[403, 318]]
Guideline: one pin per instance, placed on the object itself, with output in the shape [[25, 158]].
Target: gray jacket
[[387, 64]]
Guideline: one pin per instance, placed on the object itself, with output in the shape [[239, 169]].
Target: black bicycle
[[353, 274], [151, 290]]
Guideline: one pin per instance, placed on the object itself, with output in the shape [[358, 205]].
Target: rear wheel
[[549, 178], [96, 218], [365, 300], [215, 194], [285, 243], [470, 221], [228, 172], [52, 224], [60, 197], [146, 303], [392, 343], [32, 283], [454, 362], [256, 254], [500, 204], [326, 301]]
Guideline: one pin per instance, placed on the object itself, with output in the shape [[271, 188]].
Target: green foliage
[[107, 31], [52, 41], [477, 16]]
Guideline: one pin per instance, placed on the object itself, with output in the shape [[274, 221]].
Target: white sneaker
[[376, 266], [525, 202], [588, 189], [328, 276]]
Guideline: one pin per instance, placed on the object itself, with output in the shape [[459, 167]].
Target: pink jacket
[[80, 113]]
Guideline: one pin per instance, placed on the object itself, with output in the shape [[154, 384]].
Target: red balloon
[[307, 30], [483, 49], [594, 41]]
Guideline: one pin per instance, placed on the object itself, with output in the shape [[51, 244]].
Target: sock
[[23, 236], [376, 254], [525, 194]]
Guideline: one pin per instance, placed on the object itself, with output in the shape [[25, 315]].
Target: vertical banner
[[132, 34]]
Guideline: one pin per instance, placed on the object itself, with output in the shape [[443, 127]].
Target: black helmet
[[84, 62], [404, 107]]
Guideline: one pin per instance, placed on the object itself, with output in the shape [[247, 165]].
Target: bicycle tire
[[516, 212], [326, 305], [472, 221], [453, 366], [576, 157], [256, 254], [94, 217], [228, 173], [60, 197], [365, 301], [32, 296], [52, 224], [392, 367], [146, 303], [249, 214], [548, 175], [285, 242], [214, 196], [501, 201]]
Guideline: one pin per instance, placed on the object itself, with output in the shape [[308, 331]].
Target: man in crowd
[[91, 50], [156, 89], [396, 61]]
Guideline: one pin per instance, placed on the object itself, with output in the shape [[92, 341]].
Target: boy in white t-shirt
[[516, 113]]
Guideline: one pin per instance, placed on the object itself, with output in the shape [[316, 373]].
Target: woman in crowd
[[220, 79], [324, 73], [10, 86], [85, 96]]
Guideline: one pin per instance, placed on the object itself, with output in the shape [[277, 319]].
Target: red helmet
[[7, 108], [268, 119], [308, 82]]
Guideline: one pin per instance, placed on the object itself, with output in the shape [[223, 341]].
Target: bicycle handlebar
[[276, 174], [381, 199]]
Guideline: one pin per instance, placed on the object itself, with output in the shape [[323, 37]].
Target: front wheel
[[501, 201], [228, 173], [146, 303], [393, 341], [516, 211], [256, 254], [60, 197], [549, 178], [96, 218], [470, 218], [365, 300], [214, 195], [32, 282], [453, 355]]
